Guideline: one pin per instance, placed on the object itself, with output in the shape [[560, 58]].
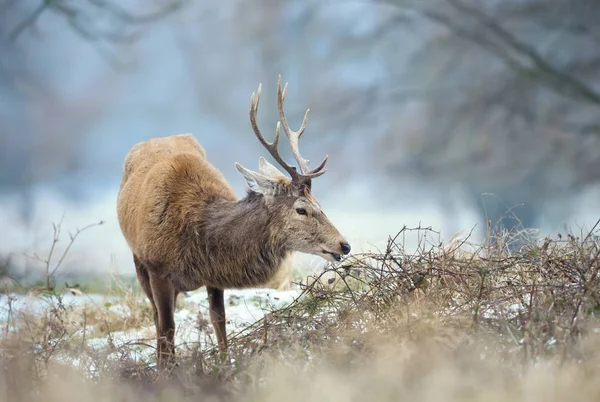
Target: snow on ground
[[243, 307], [12, 304]]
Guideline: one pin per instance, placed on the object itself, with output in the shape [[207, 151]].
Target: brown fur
[[187, 229]]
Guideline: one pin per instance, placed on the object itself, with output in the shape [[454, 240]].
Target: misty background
[[444, 113]]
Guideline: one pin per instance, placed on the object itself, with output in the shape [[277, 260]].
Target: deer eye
[[301, 211]]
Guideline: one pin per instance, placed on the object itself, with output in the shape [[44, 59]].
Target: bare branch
[[71, 242], [47, 261], [30, 20], [557, 77], [83, 22]]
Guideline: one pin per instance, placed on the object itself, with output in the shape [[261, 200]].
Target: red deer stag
[[187, 229]]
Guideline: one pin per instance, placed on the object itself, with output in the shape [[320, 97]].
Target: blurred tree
[[491, 96], [318, 47], [46, 110], [507, 98], [100, 22]]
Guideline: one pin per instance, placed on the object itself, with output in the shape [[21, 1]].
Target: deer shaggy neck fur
[[187, 219]]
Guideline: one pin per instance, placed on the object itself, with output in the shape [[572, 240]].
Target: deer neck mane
[[238, 240]]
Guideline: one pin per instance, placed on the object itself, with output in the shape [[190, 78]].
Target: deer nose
[[345, 248]]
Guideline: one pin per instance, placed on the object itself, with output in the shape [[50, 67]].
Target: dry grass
[[449, 322]]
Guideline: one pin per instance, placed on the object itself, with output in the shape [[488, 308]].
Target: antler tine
[[294, 136], [319, 168], [270, 146]]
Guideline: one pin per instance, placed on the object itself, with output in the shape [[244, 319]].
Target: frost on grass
[[508, 320], [124, 324]]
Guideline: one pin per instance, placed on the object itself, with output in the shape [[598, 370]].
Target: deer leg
[[216, 306], [144, 280], [163, 293]]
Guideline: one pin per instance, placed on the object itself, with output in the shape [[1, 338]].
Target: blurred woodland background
[[444, 112]]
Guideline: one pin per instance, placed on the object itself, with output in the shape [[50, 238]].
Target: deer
[[186, 228]]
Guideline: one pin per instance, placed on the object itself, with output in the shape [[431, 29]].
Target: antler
[[306, 175], [294, 136]]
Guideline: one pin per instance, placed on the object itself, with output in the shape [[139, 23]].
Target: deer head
[[296, 213]]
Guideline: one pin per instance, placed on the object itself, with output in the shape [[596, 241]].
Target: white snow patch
[[243, 307]]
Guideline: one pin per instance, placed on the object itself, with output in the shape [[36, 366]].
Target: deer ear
[[267, 169], [256, 181]]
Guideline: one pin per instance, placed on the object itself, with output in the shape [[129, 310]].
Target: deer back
[[166, 181]]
